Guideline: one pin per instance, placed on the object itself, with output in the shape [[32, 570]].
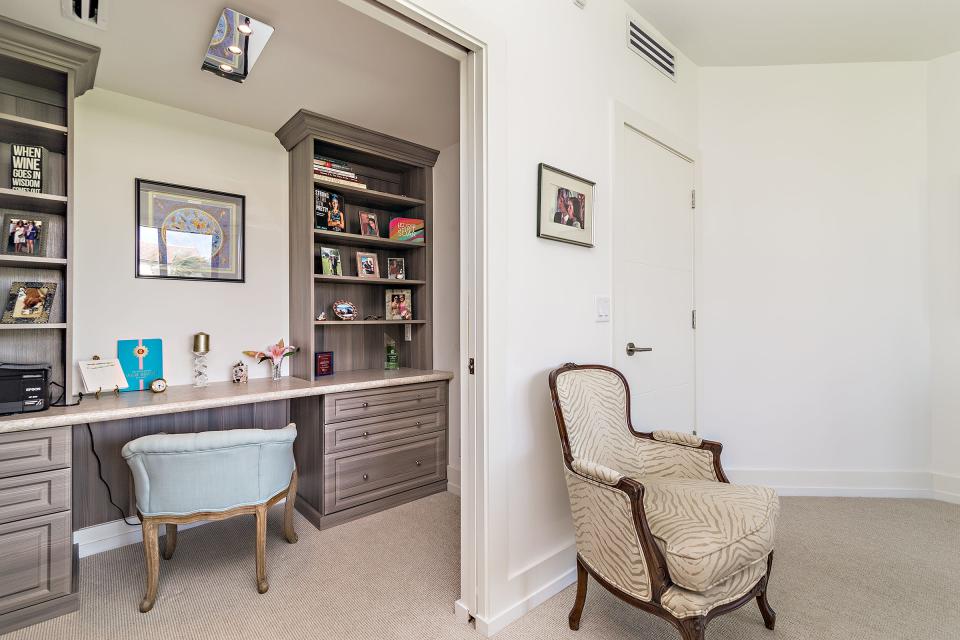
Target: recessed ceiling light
[[236, 44], [244, 27], [235, 50], [226, 68]]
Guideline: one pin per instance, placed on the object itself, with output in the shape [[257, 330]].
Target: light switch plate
[[407, 332], [603, 309]]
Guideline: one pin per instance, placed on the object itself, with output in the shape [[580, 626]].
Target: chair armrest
[[613, 538], [676, 437]]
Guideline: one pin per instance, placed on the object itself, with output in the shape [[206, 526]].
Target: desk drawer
[[374, 402], [31, 451], [34, 494], [37, 560], [361, 432], [357, 476]]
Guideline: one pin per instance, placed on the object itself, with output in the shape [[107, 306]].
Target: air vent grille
[[89, 12], [650, 50]]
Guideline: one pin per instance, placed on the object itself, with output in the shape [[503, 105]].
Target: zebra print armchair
[[657, 522]]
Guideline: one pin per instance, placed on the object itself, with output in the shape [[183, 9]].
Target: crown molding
[[27, 43]]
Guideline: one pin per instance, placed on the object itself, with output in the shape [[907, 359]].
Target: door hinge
[[471, 367], [693, 198], [693, 319]]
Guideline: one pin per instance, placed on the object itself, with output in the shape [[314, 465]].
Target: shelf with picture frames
[[399, 184], [41, 75]]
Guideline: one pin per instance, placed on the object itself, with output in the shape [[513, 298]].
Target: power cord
[[63, 392], [93, 450]]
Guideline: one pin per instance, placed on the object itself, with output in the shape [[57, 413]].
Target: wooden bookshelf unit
[[398, 175]]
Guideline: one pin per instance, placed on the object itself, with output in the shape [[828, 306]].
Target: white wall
[[118, 139], [943, 160], [553, 73], [813, 321], [446, 292]]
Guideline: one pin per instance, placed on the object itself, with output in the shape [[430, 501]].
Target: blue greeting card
[[142, 361]]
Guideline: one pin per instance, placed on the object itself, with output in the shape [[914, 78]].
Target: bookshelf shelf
[[31, 262], [398, 284], [347, 323], [371, 197], [356, 240], [34, 202], [33, 327], [20, 130]]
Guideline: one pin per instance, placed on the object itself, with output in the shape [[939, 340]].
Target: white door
[[653, 253]]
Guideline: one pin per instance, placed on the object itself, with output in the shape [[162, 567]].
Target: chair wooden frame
[[691, 628], [151, 524]]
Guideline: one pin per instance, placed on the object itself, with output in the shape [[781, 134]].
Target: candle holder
[[201, 347]]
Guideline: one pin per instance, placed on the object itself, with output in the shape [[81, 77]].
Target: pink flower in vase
[[275, 353]]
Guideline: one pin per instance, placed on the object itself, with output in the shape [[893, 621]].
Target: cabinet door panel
[[36, 556]]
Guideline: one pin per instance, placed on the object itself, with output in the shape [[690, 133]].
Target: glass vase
[[275, 370]]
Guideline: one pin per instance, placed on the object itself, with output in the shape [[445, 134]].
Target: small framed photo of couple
[[399, 304], [367, 265], [26, 234], [396, 269], [368, 224], [565, 207]]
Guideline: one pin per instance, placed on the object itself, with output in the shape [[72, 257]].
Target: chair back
[[592, 406], [184, 474]]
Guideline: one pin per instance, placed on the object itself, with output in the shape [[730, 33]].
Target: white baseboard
[[462, 612], [946, 487], [453, 480], [488, 627], [841, 483]]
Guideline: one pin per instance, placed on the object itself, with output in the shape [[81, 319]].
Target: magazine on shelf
[[328, 210]]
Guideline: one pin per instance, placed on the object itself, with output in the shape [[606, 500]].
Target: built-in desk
[[367, 440]]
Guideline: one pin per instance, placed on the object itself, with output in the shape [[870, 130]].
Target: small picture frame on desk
[[323, 363]]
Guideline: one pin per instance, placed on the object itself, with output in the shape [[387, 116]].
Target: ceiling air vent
[[90, 12], [650, 50]]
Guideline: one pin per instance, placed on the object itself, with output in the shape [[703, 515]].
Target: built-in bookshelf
[[392, 178], [40, 76]]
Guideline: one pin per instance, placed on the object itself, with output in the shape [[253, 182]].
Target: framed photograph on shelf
[[565, 207], [345, 310], [399, 304], [29, 303], [330, 263], [26, 234], [367, 266], [368, 224], [186, 233], [396, 269]]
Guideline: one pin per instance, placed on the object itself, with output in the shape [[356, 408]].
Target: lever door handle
[[632, 349]]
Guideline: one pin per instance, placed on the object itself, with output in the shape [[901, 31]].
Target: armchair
[[657, 522]]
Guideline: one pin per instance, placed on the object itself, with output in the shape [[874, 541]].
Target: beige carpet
[[846, 569]]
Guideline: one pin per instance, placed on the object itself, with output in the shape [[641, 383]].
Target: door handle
[[632, 349]]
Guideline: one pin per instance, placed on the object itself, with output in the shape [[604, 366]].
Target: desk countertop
[[181, 398]]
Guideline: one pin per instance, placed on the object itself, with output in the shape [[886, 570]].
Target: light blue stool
[[213, 475]]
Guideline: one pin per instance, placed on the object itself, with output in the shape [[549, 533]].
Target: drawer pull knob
[[419, 463], [366, 433], [365, 405], [419, 423], [365, 476]]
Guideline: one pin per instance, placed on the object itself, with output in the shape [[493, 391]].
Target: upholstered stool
[[212, 475]]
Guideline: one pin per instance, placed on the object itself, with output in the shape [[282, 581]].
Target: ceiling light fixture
[[236, 44]]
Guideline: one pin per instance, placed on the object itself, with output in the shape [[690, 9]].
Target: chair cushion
[[686, 604], [709, 531]]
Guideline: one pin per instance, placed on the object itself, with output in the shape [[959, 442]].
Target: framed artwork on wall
[[186, 233], [564, 207]]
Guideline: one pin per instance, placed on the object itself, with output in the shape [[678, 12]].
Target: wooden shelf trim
[[22, 130], [371, 197], [32, 262], [34, 202], [356, 240], [341, 323], [49, 325], [357, 280]]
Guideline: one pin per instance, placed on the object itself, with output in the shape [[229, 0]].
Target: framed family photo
[[367, 265], [564, 207], [186, 233], [26, 234]]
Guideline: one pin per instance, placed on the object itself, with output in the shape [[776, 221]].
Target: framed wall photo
[[564, 207], [186, 233]]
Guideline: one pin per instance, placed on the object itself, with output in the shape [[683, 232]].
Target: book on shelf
[[407, 230], [334, 172], [331, 162], [322, 178], [328, 211]]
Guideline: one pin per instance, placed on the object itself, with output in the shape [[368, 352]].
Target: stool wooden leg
[[151, 554], [288, 531], [262, 584], [170, 541]]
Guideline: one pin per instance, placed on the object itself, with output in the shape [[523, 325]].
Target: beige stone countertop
[[176, 399]]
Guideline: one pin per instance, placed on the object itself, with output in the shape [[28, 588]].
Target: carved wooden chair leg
[[170, 541], [262, 584], [577, 610], [769, 615], [693, 629], [151, 554], [288, 531]]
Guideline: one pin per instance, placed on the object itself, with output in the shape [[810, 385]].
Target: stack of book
[[336, 172]]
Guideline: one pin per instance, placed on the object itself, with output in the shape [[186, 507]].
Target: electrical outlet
[[603, 309], [407, 332]]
